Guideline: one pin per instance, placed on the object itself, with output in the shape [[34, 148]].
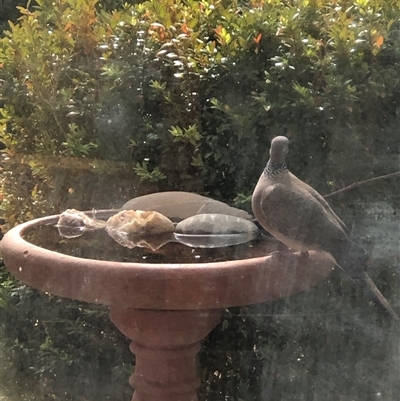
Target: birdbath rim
[[183, 286]]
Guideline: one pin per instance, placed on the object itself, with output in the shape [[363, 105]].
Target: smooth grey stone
[[179, 205], [215, 224], [214, 241]]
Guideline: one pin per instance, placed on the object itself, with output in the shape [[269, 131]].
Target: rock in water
[[152, 242], [139, 222], [179, 205], [215, 224], [72, 223], [215, 231]]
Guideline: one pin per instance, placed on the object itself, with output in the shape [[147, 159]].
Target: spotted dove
[[297, 215]]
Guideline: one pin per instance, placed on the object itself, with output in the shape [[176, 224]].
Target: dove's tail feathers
[[365, 282], [354, 266]]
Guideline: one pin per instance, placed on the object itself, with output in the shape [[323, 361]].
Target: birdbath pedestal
[[165, 309], [165, 344]]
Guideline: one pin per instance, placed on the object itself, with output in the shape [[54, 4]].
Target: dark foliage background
[[104, 101]]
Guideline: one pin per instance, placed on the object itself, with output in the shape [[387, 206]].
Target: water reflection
[[153, 230], [169, 248]]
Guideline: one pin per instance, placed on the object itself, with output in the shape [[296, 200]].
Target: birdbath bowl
[[166, 309]]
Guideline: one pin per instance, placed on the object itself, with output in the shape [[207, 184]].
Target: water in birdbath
[[99, 244]]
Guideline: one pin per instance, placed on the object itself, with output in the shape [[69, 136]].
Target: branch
[[357, 184]]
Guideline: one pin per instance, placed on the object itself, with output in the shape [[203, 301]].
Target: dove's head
[[279, 149]]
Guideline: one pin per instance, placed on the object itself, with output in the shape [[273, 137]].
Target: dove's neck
[[272, 170]]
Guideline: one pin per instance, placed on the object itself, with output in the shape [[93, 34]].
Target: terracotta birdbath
[[165, 309]]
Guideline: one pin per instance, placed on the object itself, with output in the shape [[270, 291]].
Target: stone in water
[[140, 222], [179, 205], [215, 224], [72, 223]]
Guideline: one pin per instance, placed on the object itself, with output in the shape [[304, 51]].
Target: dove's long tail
[[367, 284], [351, 259], [360, 277]]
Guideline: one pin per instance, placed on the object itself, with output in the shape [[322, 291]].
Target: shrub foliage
[[187, 95]]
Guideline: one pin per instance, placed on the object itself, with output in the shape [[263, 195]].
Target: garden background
[[102, 101]]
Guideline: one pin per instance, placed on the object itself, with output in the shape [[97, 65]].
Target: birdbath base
[[165, 344], [156, 305]]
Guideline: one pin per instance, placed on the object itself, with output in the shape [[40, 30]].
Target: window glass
[[247, 155]]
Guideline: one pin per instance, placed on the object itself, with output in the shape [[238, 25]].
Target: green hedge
[[102, 104], [187, 95]]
